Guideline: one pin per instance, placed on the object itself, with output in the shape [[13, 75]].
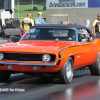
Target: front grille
[[25, 57]]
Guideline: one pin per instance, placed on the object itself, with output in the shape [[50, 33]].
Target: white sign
[[66, 3]]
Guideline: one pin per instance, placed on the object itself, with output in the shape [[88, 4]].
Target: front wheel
[[66, 73], [95, 68]]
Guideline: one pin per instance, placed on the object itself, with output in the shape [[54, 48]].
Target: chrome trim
[[61, 58], [31, 64]]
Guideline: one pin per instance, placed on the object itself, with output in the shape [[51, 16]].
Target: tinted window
[[50, 34]]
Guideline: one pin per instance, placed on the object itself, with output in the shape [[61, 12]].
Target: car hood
[[35, 46]]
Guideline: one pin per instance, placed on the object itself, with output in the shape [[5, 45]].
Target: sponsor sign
[[93, 3], [67, 3]]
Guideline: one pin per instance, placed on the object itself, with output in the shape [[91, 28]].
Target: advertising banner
[[93, 3], [66, 3]]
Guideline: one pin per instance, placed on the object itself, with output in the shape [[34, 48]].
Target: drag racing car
[[59, 49]]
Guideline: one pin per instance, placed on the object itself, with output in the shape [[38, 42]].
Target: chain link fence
[[22, 7]]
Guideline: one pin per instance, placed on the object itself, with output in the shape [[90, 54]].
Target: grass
[[24, 9]]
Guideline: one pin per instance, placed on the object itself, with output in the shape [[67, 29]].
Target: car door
[[86, 48]]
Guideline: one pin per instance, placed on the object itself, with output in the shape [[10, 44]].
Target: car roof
[[72, 26], [61, 26]]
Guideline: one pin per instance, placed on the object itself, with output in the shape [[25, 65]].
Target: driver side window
[[80, 36], [83, 34]]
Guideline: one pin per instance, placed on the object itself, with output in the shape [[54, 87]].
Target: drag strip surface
[[83, 87]]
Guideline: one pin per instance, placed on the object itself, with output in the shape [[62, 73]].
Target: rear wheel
[[95, 68], [66, 73], [4, 75]]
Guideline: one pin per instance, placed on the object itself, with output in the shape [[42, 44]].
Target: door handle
[[93, 45]]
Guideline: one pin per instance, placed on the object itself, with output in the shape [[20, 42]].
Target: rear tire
[[95, 68], [4, 75], [66, 73]]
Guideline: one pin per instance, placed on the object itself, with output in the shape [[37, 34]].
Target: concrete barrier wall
[[75, 15]]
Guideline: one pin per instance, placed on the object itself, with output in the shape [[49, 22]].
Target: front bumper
[[29, 64]]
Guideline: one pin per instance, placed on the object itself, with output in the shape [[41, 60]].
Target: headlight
[[46, 58], [1, 55]]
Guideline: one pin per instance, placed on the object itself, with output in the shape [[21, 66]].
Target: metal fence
[[32, 6]]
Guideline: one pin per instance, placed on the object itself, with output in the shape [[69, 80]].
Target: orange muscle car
[[48, 48]]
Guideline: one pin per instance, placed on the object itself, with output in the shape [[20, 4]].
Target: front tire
[[95, 68], [66, 73], [4, 75]]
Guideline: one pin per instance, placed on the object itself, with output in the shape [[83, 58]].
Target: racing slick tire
[[66, 72], [95, 68], [4, 75]]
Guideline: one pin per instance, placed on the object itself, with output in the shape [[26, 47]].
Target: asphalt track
[[84, 86]]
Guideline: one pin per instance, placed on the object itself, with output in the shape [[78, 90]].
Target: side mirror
[[84, 40], [14, 38]]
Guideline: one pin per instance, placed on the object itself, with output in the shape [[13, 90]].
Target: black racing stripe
[[59, 59], [60, 54]]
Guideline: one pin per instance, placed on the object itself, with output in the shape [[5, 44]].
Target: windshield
[[50, 34]]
